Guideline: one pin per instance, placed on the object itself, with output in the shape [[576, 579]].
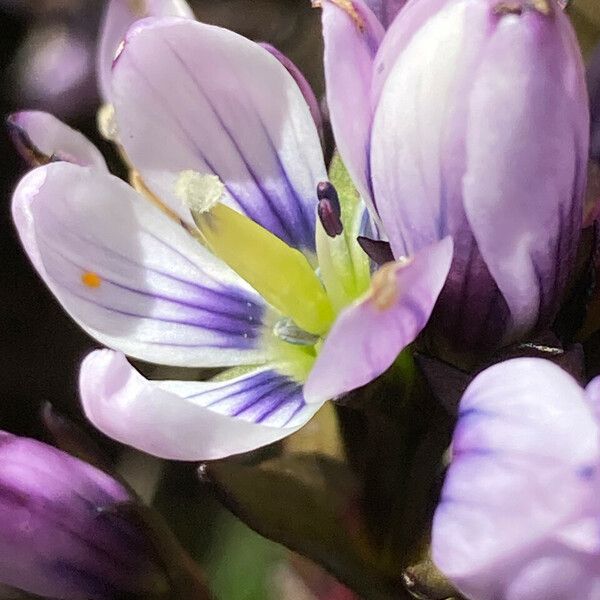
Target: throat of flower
[[344, 267], [294, 350], [281, 274]]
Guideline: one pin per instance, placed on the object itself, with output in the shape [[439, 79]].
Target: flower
[[212, 260], [518, 515], [468, 118], [60, 533]]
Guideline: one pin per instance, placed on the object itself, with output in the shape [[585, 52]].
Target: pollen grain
[[91, 279], [384, 288]]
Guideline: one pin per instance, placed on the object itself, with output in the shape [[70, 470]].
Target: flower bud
[[61, 534], [487, 142], [477, 127]]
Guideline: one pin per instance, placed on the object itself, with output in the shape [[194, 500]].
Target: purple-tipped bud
[[41, 138], [61, 533], [481, 132], [329, 209], [24, 145]]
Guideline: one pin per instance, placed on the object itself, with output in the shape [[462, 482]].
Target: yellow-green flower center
[[306, 303]]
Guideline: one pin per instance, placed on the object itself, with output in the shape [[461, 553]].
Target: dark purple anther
[[329, 209], [377, 250]]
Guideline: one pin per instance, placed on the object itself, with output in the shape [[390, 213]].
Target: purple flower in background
[[60, 535], [211, 260], [468, 118], [54, 65], [519, 512]]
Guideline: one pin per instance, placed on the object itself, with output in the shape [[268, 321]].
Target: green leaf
[[311, 504], [241, 564]]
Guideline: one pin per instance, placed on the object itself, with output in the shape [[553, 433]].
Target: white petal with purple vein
[[303, 85], [132, 277], [192, 420], [119, 16], [407, 159], [348, 60], [236, 113]]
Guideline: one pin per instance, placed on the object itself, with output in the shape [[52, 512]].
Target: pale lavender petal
[[132, 277], [526, 144], [350, 49], [592, 393], [368, 336], [521, 487], [303, 84], [397, 38], [192, 420], [41, 136], [430, 180], [418, 193], [386, 10], [119, 16], [238, 114]]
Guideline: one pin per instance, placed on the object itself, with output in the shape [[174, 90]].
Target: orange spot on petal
[[90, 279]]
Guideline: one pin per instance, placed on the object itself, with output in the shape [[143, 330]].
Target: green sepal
[[311, 504], [344, 267]]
